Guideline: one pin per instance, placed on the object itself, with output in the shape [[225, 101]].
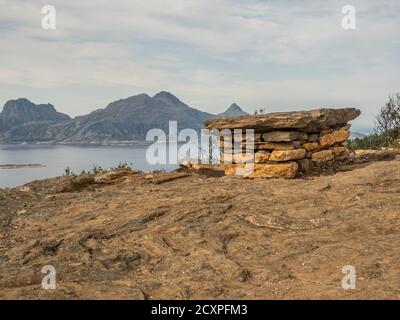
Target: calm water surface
[[77, 158]]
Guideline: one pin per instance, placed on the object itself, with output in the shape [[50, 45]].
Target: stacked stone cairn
[[286, 144]]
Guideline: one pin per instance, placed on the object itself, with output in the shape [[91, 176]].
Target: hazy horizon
[[280, 56]]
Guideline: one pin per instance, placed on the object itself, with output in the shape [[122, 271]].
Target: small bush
[[387, 128], [123, 165], [68, 172], [372, 141], [97, 169], [81, 182]]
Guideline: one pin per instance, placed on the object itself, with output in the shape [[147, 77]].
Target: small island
[[21, 166]]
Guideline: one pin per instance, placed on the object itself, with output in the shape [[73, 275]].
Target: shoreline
[[103, 144], [21, 166]]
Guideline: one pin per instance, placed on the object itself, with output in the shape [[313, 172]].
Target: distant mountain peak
[[122, 105], [165, 94], [138, 97], [15, 104], [24, 108], [233, 110], [234, 107], [167, 97], [20, 100], [20, 111], [25, 104]]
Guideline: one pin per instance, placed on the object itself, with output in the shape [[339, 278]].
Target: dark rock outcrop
[[22, 111]]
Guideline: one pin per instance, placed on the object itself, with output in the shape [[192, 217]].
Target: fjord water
[[56, 158]]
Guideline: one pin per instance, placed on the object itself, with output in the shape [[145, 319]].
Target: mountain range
[[126, 120]]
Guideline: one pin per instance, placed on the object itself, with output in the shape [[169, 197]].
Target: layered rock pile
[[285, 143]]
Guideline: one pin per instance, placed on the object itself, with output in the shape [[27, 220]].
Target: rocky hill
[[130, 119], [124, 120], [22, 111], [132, 235]]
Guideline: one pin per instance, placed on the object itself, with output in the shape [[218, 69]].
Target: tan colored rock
[[229, 140], [261, 156], [244, 157], [237, 157], [232, 149], [334, 137], [287, 170], [309, 146], [24, 189], [278, 145], [109, 176], [306, 166], [229, 144], [286, 155], [337, 151], [235, 169], [285, 136], [337, 128], [257, 136], [362, 152], [322, 156], [214, 170], [312, 121]]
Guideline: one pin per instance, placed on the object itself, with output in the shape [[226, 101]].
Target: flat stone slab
[[307, 121], [287, 170]]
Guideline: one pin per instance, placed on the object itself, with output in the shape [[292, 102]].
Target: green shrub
[[387, 128]]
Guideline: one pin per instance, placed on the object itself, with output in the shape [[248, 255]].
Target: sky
[[276, 55]]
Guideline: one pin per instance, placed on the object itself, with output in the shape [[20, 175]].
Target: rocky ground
[[186, 235]]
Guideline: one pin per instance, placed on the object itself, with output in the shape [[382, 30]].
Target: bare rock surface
[[322, 156], [284, 136], [334, 137], [285, 155], [307, 121], [287, 170], [200, 237]]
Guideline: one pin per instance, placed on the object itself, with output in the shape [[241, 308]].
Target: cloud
[[277, 54]]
